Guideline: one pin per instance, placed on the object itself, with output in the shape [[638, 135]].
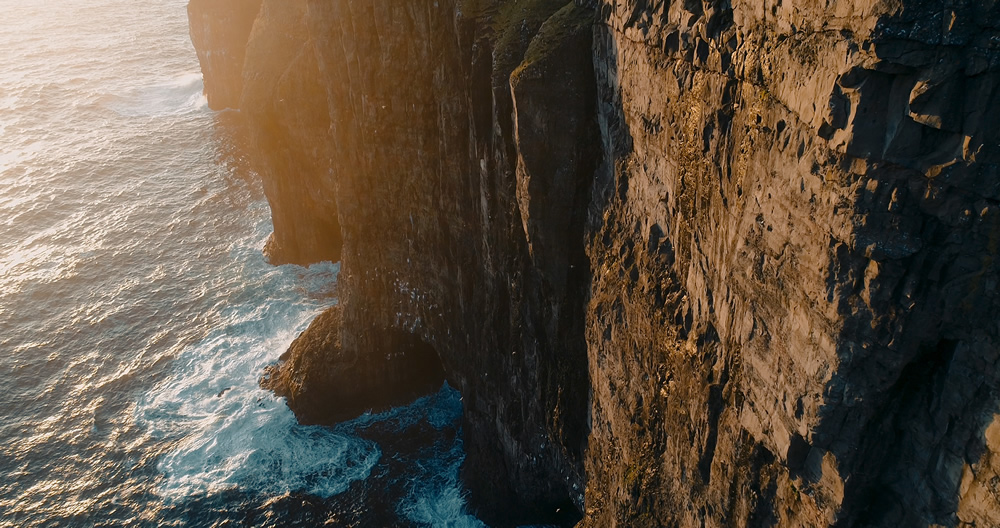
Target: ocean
[[137, 311]]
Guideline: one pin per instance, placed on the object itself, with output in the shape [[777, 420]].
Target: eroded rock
[[325, 382], [759, 291]]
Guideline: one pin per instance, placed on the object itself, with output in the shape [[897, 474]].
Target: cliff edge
[[689, 263]]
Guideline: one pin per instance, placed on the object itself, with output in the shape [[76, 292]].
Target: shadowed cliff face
[[434, 243], [717, 264]]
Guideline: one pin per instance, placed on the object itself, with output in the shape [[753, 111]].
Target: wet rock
[[325, 383]]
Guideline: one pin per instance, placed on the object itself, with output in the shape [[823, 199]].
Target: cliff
[[688, 263], [220, 32]]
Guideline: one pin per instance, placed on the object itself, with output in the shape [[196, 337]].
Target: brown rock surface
[[823, 366], [285, 104], [434, 243], [325, 382], [690, 263]]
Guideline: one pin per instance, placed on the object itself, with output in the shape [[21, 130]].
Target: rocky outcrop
[[324, 382], [689, 263], [434, 242]]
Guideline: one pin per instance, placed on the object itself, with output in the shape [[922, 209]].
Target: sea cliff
[[688, 263]]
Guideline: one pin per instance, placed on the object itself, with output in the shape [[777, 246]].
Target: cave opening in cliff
[[415, 366]]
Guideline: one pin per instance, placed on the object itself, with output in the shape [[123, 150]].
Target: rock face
[[289, 123], [689, 263], [824, 352], [326, 383], [267, 67], [219, 32], [433, 239]]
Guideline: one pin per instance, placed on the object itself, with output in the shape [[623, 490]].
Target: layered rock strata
[[831, 333], [689, 263]]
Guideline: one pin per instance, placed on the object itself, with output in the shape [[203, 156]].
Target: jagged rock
[[805, 165], [324, 382]]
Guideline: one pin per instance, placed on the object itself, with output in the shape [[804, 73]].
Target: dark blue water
[[136, 310]]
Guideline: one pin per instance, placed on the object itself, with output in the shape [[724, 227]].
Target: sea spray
[[227, 432]]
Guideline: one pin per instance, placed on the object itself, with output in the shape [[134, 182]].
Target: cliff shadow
[[908, 410]]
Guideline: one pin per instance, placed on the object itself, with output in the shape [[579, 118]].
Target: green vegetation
[[632, 474], [560, 27], [513, 23]]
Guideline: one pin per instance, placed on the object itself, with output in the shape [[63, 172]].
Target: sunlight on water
[[235, 434], [177, 96], [136, 309]]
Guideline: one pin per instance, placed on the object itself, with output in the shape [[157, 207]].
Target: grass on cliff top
[[560, 27], [514, 24]]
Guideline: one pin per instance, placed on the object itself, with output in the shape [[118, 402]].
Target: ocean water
[[136, 309]]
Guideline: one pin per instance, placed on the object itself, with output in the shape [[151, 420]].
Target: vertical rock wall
[[794, 273], [220, 31], [689, 263], [434, 241], [284, 100]]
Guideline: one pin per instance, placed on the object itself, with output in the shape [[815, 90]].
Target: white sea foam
[[136, 309], [228, 432], [435, 497], [179, 95], [439, 501], [443, 507]]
